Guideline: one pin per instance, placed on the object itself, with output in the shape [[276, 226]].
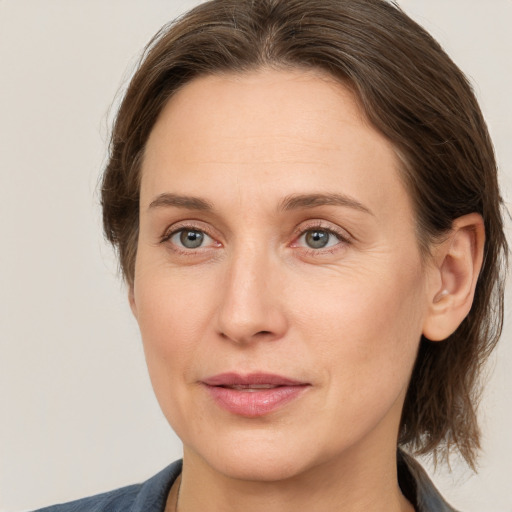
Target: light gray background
[[77, 413]]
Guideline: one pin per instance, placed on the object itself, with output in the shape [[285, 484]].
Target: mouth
[[255, 394], [250, 388]]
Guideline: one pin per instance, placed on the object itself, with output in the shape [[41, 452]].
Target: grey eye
[[190, 238], [317, 239]]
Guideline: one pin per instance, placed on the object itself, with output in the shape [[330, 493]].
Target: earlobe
[[458, 260]]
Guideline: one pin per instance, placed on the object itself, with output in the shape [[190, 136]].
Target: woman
[[304, 199]]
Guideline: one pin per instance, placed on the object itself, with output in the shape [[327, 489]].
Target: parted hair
[[412, 92]]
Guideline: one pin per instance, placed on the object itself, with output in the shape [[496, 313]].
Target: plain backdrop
[[77, 413]]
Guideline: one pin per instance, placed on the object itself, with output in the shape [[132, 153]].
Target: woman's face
[[279, 287]]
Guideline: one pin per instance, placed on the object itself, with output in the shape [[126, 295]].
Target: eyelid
[[344, 239], [192, 225], [341, 233]]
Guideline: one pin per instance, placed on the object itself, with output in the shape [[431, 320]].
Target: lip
[[244, 396]]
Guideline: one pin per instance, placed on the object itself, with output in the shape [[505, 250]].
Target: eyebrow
[[292, 202], [176, 200], [297, 201]]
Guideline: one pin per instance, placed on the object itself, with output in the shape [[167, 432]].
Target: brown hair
[[413, 93]]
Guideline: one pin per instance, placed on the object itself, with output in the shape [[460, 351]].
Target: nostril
[[241, 338]]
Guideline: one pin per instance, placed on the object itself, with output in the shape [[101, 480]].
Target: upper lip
[[236, 379]]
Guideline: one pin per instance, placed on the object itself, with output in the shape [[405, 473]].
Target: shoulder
[[112, 501], [149, 496]]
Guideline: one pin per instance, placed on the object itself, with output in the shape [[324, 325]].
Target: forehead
[[229, 108], [285, 130]]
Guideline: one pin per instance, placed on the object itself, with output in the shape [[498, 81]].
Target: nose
[[251, 305]]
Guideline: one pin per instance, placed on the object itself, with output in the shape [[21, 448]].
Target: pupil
[[191, 239], [317, 239]]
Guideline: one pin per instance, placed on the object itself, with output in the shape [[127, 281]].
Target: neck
[[354, 484]]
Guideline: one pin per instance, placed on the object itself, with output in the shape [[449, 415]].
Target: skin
[[254, 297]]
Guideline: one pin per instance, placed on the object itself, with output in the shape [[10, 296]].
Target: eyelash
[[342, 237], [166, 237]]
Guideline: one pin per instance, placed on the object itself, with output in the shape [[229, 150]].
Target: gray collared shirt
[[417, 486]]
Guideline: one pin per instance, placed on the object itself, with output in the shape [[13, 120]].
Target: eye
[[319, 238], [190, 238]]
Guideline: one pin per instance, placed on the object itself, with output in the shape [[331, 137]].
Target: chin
[[258, 467], [252, 456]]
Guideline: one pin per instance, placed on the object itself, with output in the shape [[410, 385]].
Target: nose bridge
[[249, 306]]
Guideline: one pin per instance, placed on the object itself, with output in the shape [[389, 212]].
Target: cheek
[[171, 303], [367, 330], [172, 314]]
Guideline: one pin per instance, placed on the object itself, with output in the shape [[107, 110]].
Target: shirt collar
[[412, 478], [417, 486]]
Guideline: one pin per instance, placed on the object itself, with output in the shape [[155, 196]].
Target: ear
[[131, 299], [457, 263]]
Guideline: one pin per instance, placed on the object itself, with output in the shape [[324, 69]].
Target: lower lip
[[254, 403]]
